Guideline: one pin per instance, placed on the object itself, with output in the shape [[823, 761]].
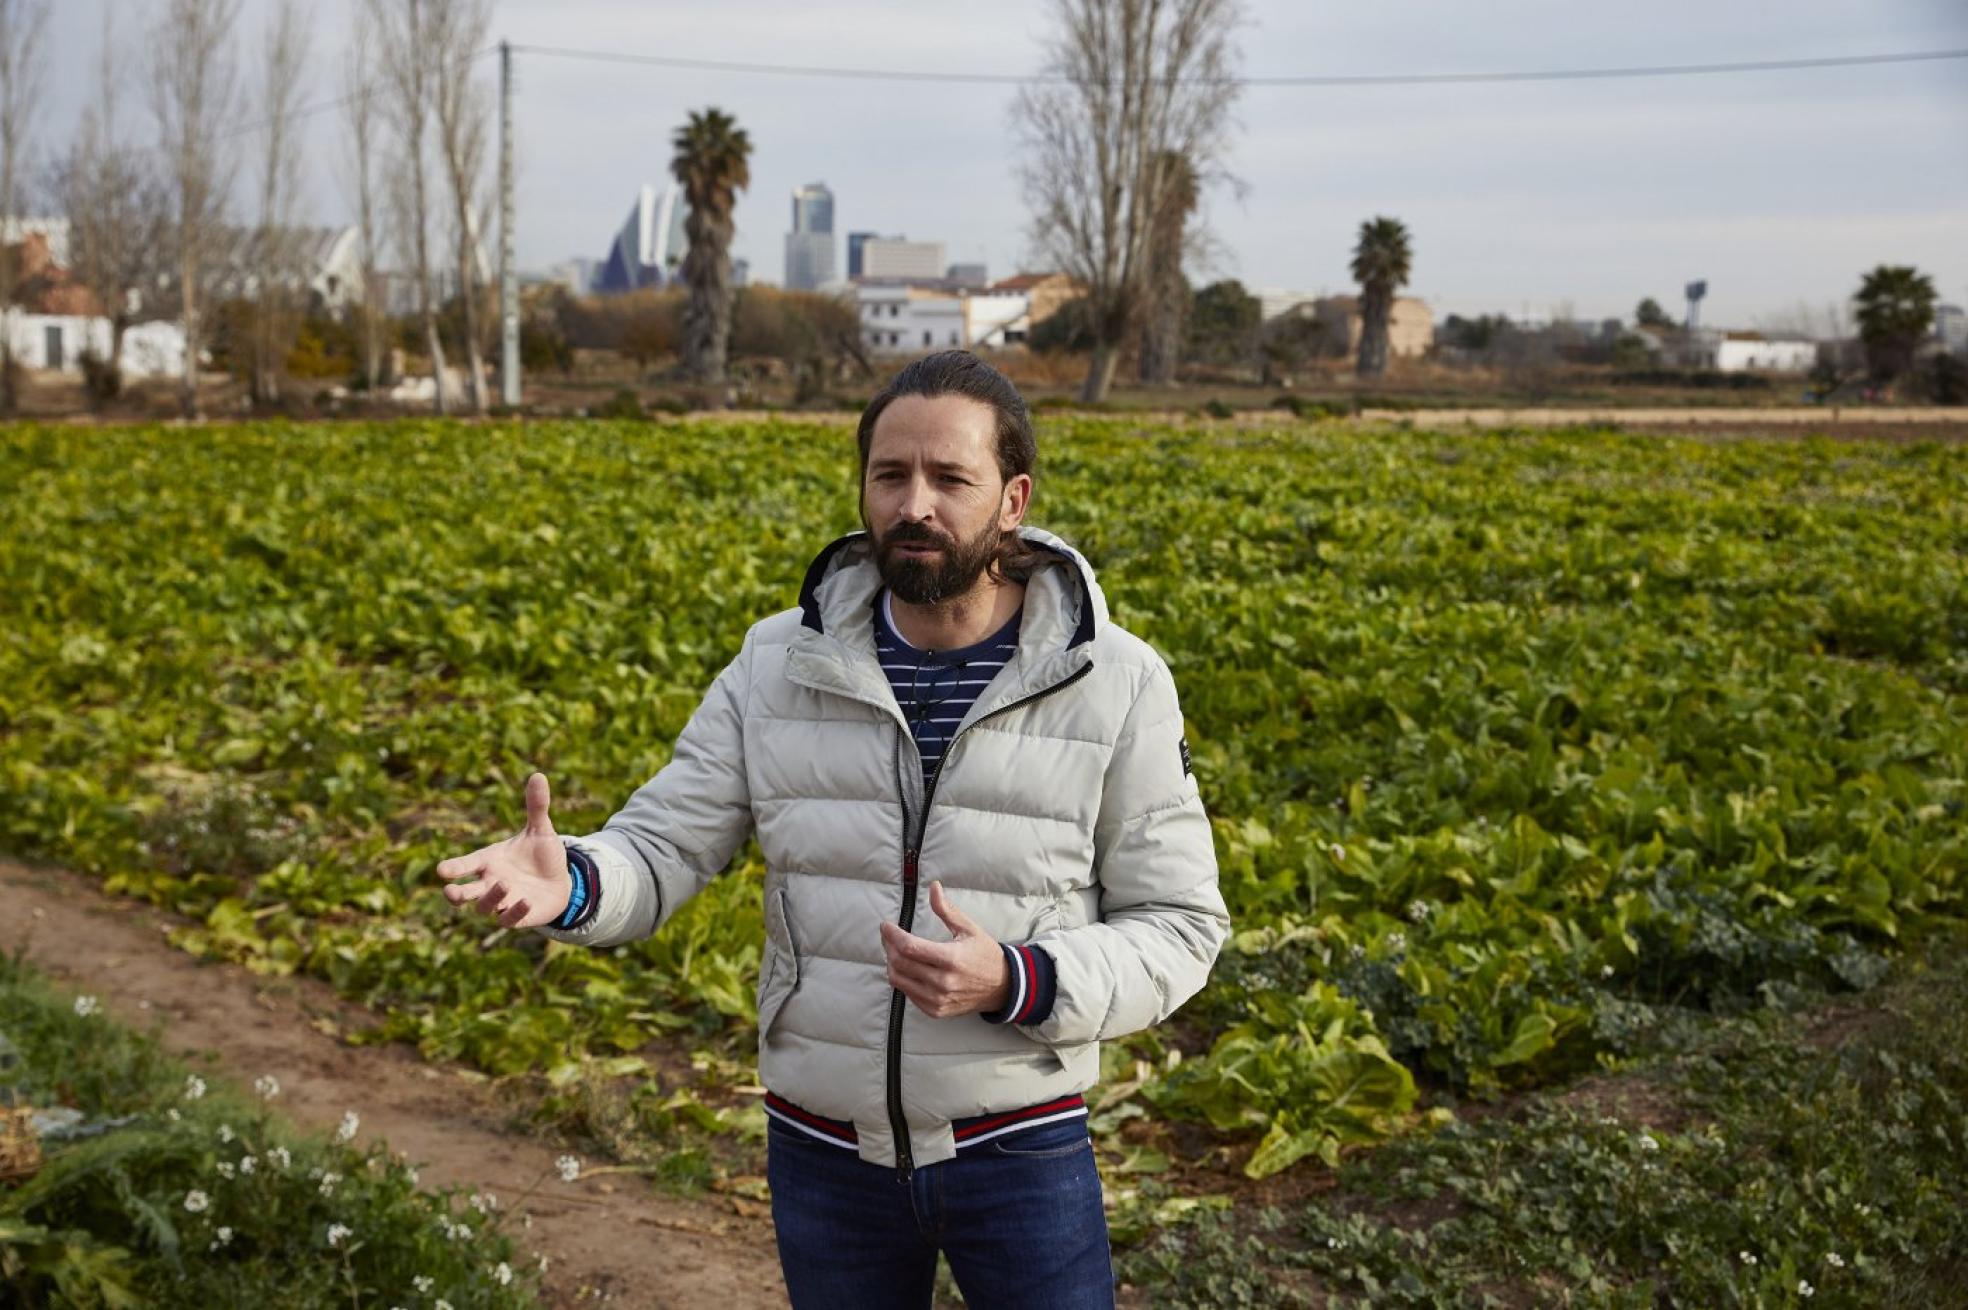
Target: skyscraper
[[855, 242], [649, 249], [810, 245]]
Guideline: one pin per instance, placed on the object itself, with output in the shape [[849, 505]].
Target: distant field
[[1513, 742]]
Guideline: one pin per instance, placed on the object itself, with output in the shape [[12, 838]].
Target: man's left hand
[[946, 979]]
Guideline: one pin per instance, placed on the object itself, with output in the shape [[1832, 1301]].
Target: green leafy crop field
[[1512, 743]]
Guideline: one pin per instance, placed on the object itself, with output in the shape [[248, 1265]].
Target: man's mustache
[[915, 534]]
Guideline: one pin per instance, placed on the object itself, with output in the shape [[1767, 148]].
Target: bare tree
[[459, 29], [1165, 294], [193, 92], [118, 212], [406, 32], [22, 23], [1132, 86], [277, 254], [360, 98]]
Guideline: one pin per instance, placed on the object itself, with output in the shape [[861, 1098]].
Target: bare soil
[[608, 1239]]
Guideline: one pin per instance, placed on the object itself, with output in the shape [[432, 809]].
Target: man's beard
[[931, 581]]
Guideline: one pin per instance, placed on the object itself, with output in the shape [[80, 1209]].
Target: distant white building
[[1272, 304], [899, 320], [892, 257], [1752, 352], [57, 342]]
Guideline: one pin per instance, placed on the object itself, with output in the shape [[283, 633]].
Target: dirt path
[[608, 1239]]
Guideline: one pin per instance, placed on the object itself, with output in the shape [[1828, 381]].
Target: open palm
[[522, 880]]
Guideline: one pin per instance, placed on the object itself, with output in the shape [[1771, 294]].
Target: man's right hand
[[522, 880]]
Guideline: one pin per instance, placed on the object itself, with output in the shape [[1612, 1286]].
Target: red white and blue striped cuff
[[1033, 985], [968, 1131]]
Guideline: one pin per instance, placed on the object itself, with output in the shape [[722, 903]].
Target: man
[[984, 853]]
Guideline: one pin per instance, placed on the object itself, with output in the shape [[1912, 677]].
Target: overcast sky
[[1779, 187]]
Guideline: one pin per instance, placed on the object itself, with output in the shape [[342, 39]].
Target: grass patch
[[1783, 1157], [150, 1185]]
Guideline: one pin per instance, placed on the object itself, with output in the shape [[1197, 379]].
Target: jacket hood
[[1064, 607]]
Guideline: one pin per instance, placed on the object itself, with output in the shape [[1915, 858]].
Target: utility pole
[[508, 276]]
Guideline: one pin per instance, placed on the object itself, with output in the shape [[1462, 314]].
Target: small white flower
[[570, 1168], [87, 1005], [350, 1121], [225, 1168], [339, 1233], [1335, 1244], [1805, 1290], [196, 1201], [1605, 971], [1397, 941], [1647, 1142], [410, 1172], [328, 1182], [1418, 911], [1338, 853], [194, 1087], [267, 1086], [280, 1156], [423, 1283], [1835, 1260], [1747, 1258], [543, 1264], [503, 1273], [172, 1114], [484, 1202], [440, 1304], [225, 1132], [246, 1164]]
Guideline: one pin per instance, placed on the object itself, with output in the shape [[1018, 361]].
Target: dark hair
[[960, 373]]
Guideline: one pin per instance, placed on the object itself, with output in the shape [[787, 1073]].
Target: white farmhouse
[[56, 342], [897, 320]]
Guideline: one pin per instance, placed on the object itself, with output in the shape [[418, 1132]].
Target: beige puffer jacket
[[1064, 816]]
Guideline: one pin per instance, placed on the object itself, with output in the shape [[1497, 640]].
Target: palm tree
[[1895, 308], [712, 164], [1167, 301], [1381, 263]]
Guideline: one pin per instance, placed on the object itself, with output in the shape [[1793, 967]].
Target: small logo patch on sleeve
[[1185, 755]]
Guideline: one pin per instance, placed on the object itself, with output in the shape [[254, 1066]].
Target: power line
[[1017, 79], [1314, 80]]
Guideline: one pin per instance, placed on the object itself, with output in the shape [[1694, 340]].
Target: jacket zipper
[[911, 854]]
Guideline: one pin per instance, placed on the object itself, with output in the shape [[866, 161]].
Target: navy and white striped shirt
[[936, 688]]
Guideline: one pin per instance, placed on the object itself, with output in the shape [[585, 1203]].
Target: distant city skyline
[[1541, 198]]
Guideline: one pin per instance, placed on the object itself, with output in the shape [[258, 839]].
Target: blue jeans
[[1019, 1219]]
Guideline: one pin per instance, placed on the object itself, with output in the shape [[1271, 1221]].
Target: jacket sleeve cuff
[[1033, 985], [585, 898]]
